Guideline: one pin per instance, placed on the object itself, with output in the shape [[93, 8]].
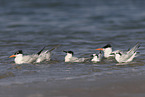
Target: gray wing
[[44, 56], [29, 58], [74, 59], [130, 53], [134, 49]]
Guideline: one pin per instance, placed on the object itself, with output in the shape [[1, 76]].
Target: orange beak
[[12, 56], [100, 49]]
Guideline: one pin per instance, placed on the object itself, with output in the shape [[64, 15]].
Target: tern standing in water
[[45, 55], [127, 56], [96, 57], [70, 58], [20, 58], [107, 49]]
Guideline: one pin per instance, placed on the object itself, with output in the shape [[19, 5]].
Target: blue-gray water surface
[[78, 25]]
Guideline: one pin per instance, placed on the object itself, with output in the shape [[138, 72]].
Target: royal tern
[[96, 57], [127, 56], [69, 57], [45, 55], [20, 58], [107, 49]]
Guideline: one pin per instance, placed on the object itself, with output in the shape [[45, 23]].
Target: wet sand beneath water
[[118, 87]]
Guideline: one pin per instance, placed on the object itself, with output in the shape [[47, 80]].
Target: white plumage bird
[[70, 58], [127, 56], [96, 57], [20, 58], [34, 58], [107, 49], [45, 55]]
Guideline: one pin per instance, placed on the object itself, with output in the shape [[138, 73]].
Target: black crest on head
[[108, 45], [71, 52], [19, 52]]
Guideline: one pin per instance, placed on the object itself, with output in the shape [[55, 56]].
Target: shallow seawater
[[80, 26]]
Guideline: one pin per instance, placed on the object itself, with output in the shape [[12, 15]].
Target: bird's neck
[[18, 59], [107, 52], [67, 57]]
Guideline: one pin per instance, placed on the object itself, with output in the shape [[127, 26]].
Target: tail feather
[[134, 49]]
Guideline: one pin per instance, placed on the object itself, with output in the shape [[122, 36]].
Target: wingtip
[[54, 47], [41, 50], [138, 43]]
